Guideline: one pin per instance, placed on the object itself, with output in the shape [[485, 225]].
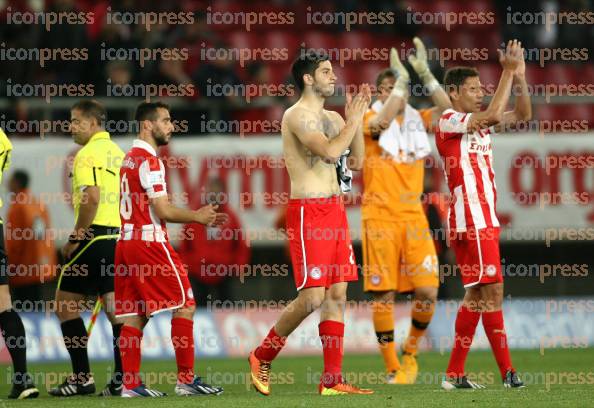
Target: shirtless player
[[314, 140]]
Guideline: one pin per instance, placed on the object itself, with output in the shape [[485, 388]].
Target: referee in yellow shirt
[[11, 324], [89, 252]]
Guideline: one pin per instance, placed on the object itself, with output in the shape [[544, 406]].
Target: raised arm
[[305, 126], [523, 104], [357, 147], [493, 115], [397, 99], [419, 62]]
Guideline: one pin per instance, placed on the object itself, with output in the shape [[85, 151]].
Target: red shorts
[[320, 242], [149, 278], [477, 256]]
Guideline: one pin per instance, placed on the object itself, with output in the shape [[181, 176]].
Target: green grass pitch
[[562, 377]]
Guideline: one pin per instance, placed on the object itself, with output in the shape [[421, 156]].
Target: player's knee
[[315, 302], [112, 318], [312, 299], [493, 290], [66, 311], [138, 322], [5, 299], [385, 297], [186, 312], [336, 297], [472, 298], [4, 306], [493, 295], [426, 294], [61, 313]]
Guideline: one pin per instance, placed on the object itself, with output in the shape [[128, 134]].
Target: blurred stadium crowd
[[207, 76]]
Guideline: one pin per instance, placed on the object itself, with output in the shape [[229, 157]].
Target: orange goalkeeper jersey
[[391, 190]]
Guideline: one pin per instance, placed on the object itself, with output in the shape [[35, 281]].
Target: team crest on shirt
[[315, 273], [491, 269], [376, 279]]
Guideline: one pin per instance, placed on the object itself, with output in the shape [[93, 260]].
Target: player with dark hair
[[149, 275], [88, 254], [316, 142], [463, 139]]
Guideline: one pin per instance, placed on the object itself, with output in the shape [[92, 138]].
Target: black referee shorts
[[90, 269]]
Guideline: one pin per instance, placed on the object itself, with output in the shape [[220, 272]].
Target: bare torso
[[311, 176]]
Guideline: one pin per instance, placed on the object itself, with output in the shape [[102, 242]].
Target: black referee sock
[[16, 342], [117, 358], [76, 339]]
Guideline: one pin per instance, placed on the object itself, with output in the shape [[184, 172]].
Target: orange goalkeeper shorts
[[398, 256]]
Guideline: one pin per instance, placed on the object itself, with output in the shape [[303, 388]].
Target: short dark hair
[[455, 77], [306, 63], [21, 177], [386, 73], [148, 110], [91, 109]]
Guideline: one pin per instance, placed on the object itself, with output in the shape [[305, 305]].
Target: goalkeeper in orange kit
[[398, 250]]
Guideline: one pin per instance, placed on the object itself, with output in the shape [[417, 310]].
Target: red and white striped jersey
[[142, 177], [468, 167]]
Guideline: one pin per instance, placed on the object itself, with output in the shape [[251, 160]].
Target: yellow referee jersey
[[98, 164], [5, 152]]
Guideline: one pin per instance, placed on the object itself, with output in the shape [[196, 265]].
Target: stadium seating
[[471, 36]]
